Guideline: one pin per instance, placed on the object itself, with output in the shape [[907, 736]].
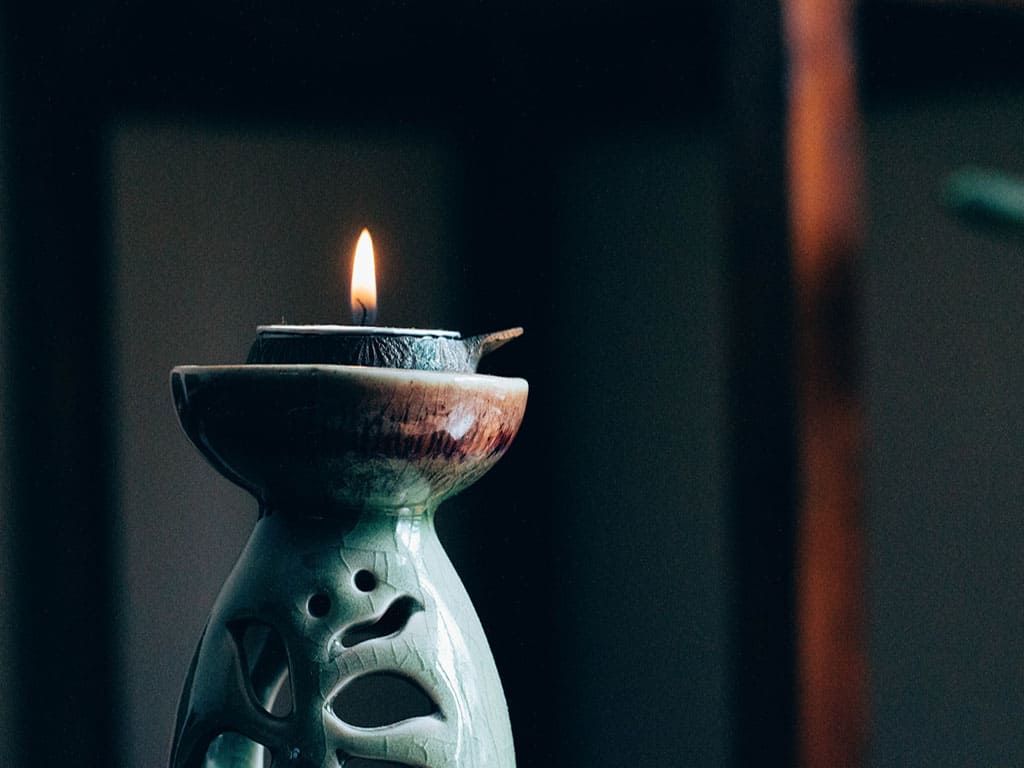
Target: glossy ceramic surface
[[344, 573]]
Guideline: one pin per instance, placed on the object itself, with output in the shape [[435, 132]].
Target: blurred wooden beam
[[825, 205]]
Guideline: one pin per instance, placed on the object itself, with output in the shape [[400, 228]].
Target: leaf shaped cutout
[[381, 698], [265, 661], [392, 621]]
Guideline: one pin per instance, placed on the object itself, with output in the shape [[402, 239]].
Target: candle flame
[[364, 282]]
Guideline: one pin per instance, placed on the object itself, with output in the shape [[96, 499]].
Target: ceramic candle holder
[[343, 589]]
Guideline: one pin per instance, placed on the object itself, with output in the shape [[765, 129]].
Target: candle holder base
[[343, 595]]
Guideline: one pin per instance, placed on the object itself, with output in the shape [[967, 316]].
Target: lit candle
[[366, 344], [364, 282]]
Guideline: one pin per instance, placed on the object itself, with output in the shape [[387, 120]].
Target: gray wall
[[945, 372], [641, 521]]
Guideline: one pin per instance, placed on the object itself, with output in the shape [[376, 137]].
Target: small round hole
[[319, 605], [365, 581]]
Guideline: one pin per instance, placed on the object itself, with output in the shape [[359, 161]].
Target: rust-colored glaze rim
[[254, 423]]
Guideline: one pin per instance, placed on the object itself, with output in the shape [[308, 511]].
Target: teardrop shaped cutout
[[392, 621]]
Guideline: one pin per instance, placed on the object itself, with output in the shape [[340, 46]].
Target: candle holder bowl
[[343, 584]]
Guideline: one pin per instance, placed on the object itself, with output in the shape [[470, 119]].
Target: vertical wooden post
[[825, 190]]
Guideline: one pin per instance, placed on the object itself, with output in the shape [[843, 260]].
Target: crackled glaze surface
[[344, 565], [441, 647]]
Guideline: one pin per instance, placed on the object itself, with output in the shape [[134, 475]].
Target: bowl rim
[[367, 373], [280, 329]]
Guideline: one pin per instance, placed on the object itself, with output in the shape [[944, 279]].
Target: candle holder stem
[[335, 601]]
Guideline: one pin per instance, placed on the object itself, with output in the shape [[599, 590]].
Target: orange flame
[[364, 282]]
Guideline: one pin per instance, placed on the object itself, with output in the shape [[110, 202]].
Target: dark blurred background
[[765, 505]]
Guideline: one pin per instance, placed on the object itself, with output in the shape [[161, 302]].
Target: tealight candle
[[370, 345]]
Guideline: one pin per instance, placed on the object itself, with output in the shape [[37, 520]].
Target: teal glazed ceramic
[[343, 584]]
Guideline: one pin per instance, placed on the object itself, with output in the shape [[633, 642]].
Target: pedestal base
[[318, 608]]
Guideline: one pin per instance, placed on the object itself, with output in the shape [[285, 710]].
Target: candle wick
[[362, 320]]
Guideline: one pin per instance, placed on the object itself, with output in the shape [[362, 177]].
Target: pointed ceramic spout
[[485, 343]]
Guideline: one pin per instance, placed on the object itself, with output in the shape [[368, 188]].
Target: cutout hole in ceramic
[[265, 661], [381, 698], [319, 605], [365, 580], [392, 621]]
